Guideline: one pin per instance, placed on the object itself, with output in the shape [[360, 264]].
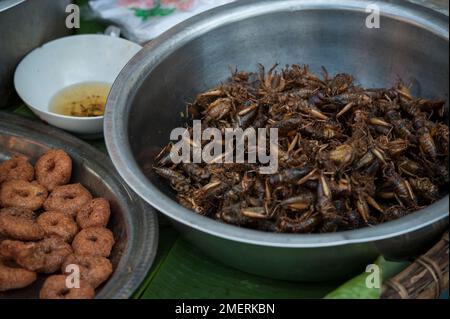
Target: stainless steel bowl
[[147, 98], [133, 221], [25, 25]]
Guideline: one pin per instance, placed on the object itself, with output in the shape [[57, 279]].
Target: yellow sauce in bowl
[[86, 99]]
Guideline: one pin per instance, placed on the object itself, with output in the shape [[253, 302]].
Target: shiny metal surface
[[133, 222], [25, 25], [152, 90], [438, 5]]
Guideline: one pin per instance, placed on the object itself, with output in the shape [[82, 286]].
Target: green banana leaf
[[361, 287]]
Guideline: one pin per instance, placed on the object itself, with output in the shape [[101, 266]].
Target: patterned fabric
[[143, 20]]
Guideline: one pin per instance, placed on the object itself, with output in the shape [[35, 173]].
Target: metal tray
[[133, 222]]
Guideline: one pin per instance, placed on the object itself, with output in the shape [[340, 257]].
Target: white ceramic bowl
[[65, 62]]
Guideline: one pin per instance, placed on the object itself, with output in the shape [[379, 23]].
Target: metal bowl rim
[[134, 73], [9, 4]]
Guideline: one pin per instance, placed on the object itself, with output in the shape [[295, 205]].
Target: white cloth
[[143, 20]]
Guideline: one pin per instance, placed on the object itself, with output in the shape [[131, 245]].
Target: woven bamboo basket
[[426, 278]]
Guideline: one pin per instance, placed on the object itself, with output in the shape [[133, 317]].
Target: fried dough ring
[[16, 168], [53, 169], [94, 214], [15, 278], [94, 241], [45, 256], [56, 223], [20, 223], [18, 193], [68, 199], [94, 269], [10, 248], [55, 287]]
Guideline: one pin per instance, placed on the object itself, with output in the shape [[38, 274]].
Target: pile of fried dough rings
[[50, 227]]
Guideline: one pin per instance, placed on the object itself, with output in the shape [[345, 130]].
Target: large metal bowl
[[151, 92], [133, 221]]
